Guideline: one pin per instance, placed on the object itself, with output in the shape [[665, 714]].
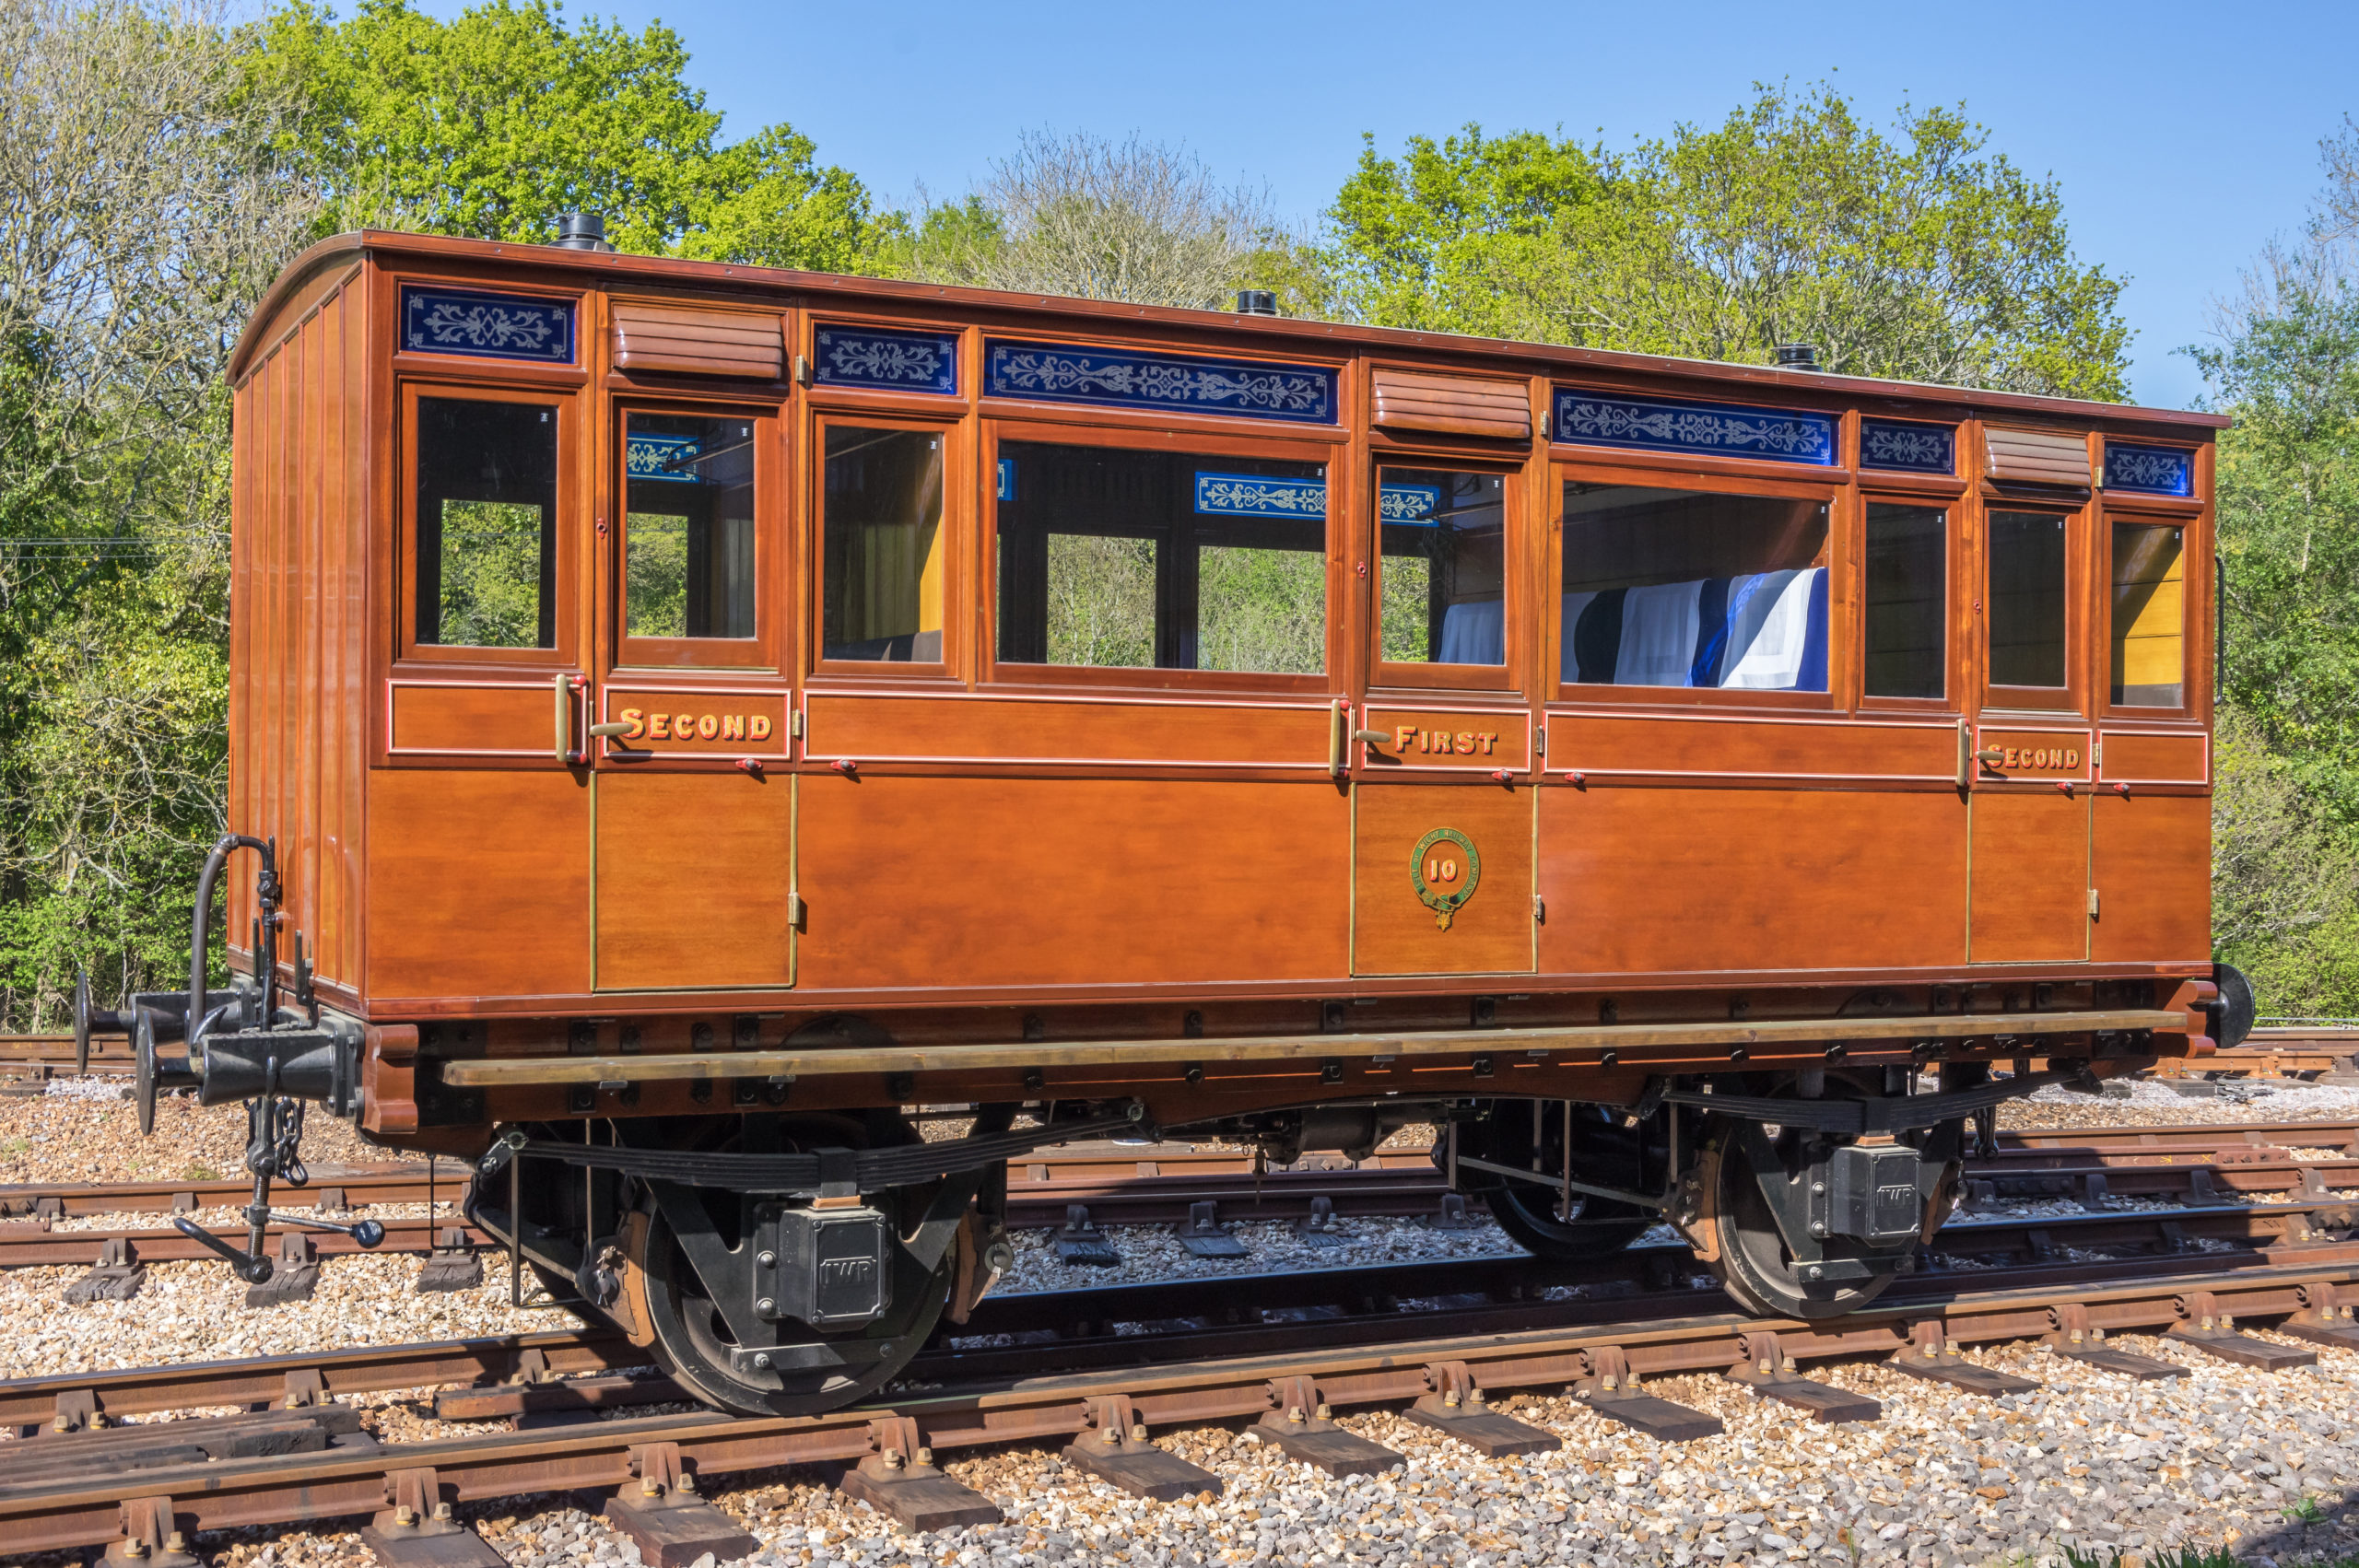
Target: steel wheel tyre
[[1527, 1212], [1754, 1265]]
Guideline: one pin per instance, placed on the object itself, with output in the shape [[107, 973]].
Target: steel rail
[[88, 1511]]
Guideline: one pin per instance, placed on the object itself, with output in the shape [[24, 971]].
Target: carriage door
[[694, 810], [2030, 764], [1442, 814]]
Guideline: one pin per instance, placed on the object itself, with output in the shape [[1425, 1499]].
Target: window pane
[[486, 562], [1694, 588], [2149, 615], [1445, 567], [2026, 598], [1116, 558], [1908, 606], [883, 545], [688, 526]]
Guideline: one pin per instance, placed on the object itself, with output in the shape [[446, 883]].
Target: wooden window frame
[[1194, 438], [959, 484], [1956, 623], [1843, 521], [1503, 681], [566, 615], [2072, 697], [2195, 602], [754, 655]]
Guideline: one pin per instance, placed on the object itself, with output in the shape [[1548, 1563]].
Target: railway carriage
[[687, 720]]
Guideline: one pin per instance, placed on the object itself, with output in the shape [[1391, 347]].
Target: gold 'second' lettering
[[707, 727], [2039, 758], [759, 727], [659, 726], [733, 726], [692, 727], [637, 722]]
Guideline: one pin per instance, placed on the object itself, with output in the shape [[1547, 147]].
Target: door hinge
[[794, 723], [802, 370], [794, 911], [2093, 904], [1539, 910]]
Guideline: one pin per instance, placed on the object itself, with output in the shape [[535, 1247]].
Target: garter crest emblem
[[1444, 869]]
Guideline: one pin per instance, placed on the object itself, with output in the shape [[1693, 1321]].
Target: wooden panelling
[[471, 719], [478, 884], [2151, 869], [2154, 759], [2031, 876], [1650, 880], [1475, 740], [2047, 756], [875, 728], [683, 342], [1604, 746], [1458, 405], [695, 872], [915, 882], [1393, 930], [699, 722], [2035, 457]]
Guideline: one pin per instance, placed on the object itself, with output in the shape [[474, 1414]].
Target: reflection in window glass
[[1694, 588], [2149, 613], [688, 526], [883, 542], [1444, 589], [2026, 598], [1907, 602], [485, 560], [1116, 558]]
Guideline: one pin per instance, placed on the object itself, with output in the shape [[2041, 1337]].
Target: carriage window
[[883, 545], [688, 526], [2149, 614], [1694, 588], [1170, 560], [1444, 570], [2026, 598], [486, 564], [1906, 603]]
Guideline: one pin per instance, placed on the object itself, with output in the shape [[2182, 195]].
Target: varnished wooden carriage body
[[893, 841]]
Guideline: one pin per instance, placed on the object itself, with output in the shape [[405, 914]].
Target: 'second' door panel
[[2030, 902], [696, 873]]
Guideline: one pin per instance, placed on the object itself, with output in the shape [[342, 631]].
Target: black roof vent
[[582, 231], [1798, 356], [1256, 302]]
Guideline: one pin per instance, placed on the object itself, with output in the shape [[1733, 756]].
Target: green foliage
[[492, 124], [1916, 255], [2185, 1557]]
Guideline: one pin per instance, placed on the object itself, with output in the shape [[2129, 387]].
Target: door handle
[[1373, 737], [564, 688], [616, 727], [1989, 756]]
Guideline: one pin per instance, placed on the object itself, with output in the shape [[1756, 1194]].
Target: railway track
[[76, 1491]]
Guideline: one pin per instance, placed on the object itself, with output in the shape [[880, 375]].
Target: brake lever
[[253, 1268]]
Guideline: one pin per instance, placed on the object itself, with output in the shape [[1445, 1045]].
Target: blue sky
[[2184, 135]]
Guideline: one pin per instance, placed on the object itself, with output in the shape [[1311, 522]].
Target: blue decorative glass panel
[[2153, 470], [1409, 504], [1110, 378], [1253, 494], [1007, 479], [487, 326], [1911, 448], [1652, 425], [668, 458], [888, 361]]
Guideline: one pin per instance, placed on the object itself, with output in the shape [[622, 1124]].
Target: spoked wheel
[[1533, 1215], [810, 1371], [1755, 1264]]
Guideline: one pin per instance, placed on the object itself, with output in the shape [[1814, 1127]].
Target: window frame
[[957, 483], [1843, 644], [1503, 680], [754, 655], [1194, 442], [2193, 592], [2049, 701], [1952, 505], [566, 614]]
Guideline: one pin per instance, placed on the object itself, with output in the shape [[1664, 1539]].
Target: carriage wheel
[[1753, 1263], [1596, 1226]]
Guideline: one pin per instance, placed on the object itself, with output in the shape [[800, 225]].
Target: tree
[[1094, 219], [491, 124], [1916, 256], [144, 213]]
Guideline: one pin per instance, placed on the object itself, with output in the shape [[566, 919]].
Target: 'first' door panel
[[1441, 879]]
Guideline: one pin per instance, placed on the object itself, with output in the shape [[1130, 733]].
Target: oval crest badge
[[1444, 869]]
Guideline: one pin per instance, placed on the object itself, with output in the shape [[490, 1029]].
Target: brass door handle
[[608, 731], [563, 718], [1989, 756], [1372, 737]]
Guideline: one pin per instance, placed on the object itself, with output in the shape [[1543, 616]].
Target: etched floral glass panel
[[1111, 557], [484, 561]]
